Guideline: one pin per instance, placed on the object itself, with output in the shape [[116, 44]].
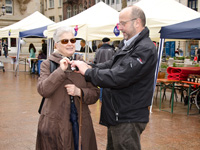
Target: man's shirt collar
[[128, 42]]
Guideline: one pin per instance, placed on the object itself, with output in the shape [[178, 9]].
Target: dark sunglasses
[[65, 41]]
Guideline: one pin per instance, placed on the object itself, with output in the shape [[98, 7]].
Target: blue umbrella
[[74, 121]]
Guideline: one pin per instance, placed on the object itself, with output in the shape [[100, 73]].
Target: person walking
[[84, 47], [32, 51], [198, 55], [41, 55], [195, 54], [44, 47], [55, 130], [40, 58], [103, 54], [5, 48], [128, 82]]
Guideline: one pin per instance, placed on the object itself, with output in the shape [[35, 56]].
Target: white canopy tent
[[32, 21], [99, 20], [94, 23], [164, 12]]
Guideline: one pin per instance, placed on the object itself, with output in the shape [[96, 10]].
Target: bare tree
[[124, 3]]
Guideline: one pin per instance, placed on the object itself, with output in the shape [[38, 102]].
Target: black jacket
[[198, 51], [104, 53], [83, 49], [127, 80], [44, 48]]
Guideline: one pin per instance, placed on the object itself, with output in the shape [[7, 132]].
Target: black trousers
[[125, 136], [198, 58]]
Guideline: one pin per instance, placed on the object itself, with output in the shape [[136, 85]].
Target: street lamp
[[3, 9]]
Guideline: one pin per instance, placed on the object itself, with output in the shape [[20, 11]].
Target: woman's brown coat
[[54, 127]]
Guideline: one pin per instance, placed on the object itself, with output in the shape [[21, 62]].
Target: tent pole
[[86, 51], [17, 58], [49, 47], [160, 52]]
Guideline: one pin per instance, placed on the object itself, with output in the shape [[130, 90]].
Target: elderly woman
[[55, 127]]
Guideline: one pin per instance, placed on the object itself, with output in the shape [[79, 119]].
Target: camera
[[75, 68]]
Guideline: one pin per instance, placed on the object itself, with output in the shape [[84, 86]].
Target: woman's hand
[[64, 63], [73, 90]]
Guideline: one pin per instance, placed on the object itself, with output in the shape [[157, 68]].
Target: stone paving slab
[[19, 102]]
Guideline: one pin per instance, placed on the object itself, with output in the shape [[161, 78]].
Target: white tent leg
[[17, 58], [160, 52], [50, 47]]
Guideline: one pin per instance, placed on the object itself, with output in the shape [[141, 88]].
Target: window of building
[[108, 2], [113, 1], [89, 5], [9, 6], [75, 10], [52, 18], [69, 11], [80, 8], [193, 4], [60, 18], [117, 1], [51, 3], [85, 5], [60, 3], [13, 42]]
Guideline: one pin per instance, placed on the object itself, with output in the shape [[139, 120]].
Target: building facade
[[117, 4], [73, 7], [53, 9], [15, 10]]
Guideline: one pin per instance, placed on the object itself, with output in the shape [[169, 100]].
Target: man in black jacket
[[128, 81], [105, 52], [44, 47], [198, 55]]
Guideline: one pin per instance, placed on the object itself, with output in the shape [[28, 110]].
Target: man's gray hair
[[60, 31]]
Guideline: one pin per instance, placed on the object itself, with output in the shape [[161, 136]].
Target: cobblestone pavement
[[19, 102]]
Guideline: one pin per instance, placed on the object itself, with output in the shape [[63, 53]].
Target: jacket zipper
[[116, 113]]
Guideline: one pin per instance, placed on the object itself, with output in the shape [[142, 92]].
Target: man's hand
[[82, 66]]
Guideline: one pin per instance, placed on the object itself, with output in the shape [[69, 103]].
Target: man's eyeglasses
[[65, 41], [123, 23]]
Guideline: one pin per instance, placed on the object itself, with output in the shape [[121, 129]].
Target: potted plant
[[163, 70]]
